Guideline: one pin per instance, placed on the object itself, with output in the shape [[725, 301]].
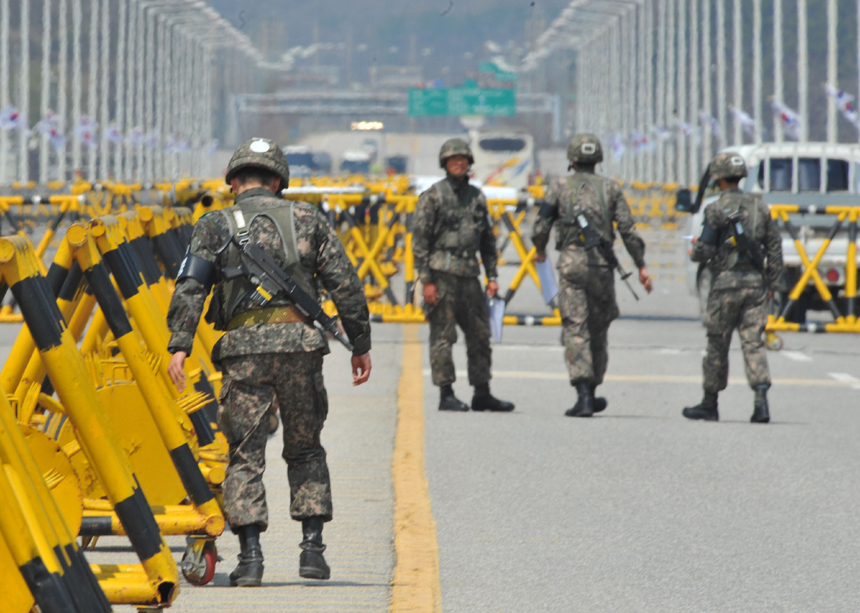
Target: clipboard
[[548, 286], [497, 315]]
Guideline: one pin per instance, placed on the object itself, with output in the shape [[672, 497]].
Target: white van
[[503, 157], [819, 174]]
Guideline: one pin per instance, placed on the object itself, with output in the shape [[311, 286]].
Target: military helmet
[[585, 149], [728, 165], [452, 147], [259, 153]]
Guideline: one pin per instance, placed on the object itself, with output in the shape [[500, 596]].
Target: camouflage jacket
[[730, 268], [320, 252], [616, 210], [448, 231]]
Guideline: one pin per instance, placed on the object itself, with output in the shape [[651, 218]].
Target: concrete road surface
[[635, 509]]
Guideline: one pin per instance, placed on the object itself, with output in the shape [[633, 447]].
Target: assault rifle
[[271, 280], [592, 240], [744, 244]]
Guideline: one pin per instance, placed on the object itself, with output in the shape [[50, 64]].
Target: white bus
[[503, 157]]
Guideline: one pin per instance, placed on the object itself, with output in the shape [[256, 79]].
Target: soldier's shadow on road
[[746, 422]]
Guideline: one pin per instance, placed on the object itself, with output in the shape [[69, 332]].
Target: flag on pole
[[843, 103], [747, 122], [10, 118], [135, 137], [86, 131], [710, 121], [113, 135], [789, 119]]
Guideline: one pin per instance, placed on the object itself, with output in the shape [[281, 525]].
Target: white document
[[548, 286], [497, 316]]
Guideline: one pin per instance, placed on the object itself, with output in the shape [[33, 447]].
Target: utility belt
[[459, 252], [271, 315]]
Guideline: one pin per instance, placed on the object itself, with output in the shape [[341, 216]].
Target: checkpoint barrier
[[843, 322], [155, 580], [128, 384]]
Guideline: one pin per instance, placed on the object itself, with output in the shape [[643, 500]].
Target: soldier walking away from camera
[[451, 224], [586, 296], [743, 250], [272, 354]]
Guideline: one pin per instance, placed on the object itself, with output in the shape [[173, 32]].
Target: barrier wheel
[[773, 342], [202, 570]]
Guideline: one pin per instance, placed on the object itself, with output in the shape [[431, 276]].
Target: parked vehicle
[[503, 157], [355, 163], [301, 161], [819, 174]]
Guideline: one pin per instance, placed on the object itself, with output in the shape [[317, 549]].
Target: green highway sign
[[457, 101], [498, 73]]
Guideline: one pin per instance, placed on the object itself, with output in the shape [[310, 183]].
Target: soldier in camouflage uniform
[[586, 296], [739, 290], [451, 224], [271, 354]]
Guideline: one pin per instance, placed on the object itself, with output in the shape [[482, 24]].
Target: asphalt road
[[639, 509], [635, 509]]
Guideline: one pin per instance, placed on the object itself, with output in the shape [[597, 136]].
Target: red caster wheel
[[198, 562]]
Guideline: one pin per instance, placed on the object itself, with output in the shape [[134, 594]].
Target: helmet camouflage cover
[[452, 147], [259, 153], [728, 166], [585, 149]]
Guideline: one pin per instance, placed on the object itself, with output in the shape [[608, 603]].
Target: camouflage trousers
[[462, 302], [586, 300], [744, 309], [252, 383]]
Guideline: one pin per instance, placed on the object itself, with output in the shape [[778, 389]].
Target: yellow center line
[[416, 585]]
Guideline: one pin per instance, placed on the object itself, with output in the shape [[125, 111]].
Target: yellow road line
[[662, 378], [416, 585]]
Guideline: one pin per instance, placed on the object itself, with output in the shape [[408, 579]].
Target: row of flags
[[87, 131], [638, 142]]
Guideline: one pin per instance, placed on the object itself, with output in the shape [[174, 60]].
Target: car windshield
[[808, 175], [837, 176], [355, 166], [300, 159], [780, 175], [502, 144]]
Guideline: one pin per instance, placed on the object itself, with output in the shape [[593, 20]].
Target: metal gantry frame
[[126, 99], [663, 74]]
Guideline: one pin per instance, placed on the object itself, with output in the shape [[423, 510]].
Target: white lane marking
[[844, 377], [550, 348], [853, 382], [669, 351], [797, 356]]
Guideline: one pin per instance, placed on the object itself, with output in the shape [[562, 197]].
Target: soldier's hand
[[176, 370], [360, 368], [492, 289], [540, 257], [431, 296], [645, 279]]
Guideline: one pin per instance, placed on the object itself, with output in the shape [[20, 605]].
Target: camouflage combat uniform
[[270, 362], [738, 298], [586, 297], [451, 224]]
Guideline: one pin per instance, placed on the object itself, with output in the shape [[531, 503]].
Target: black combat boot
[[599, 403], [761, 414], [483, 400], [311, 561], [584, 406], [249, 572], [707, 409], [449, 402]]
